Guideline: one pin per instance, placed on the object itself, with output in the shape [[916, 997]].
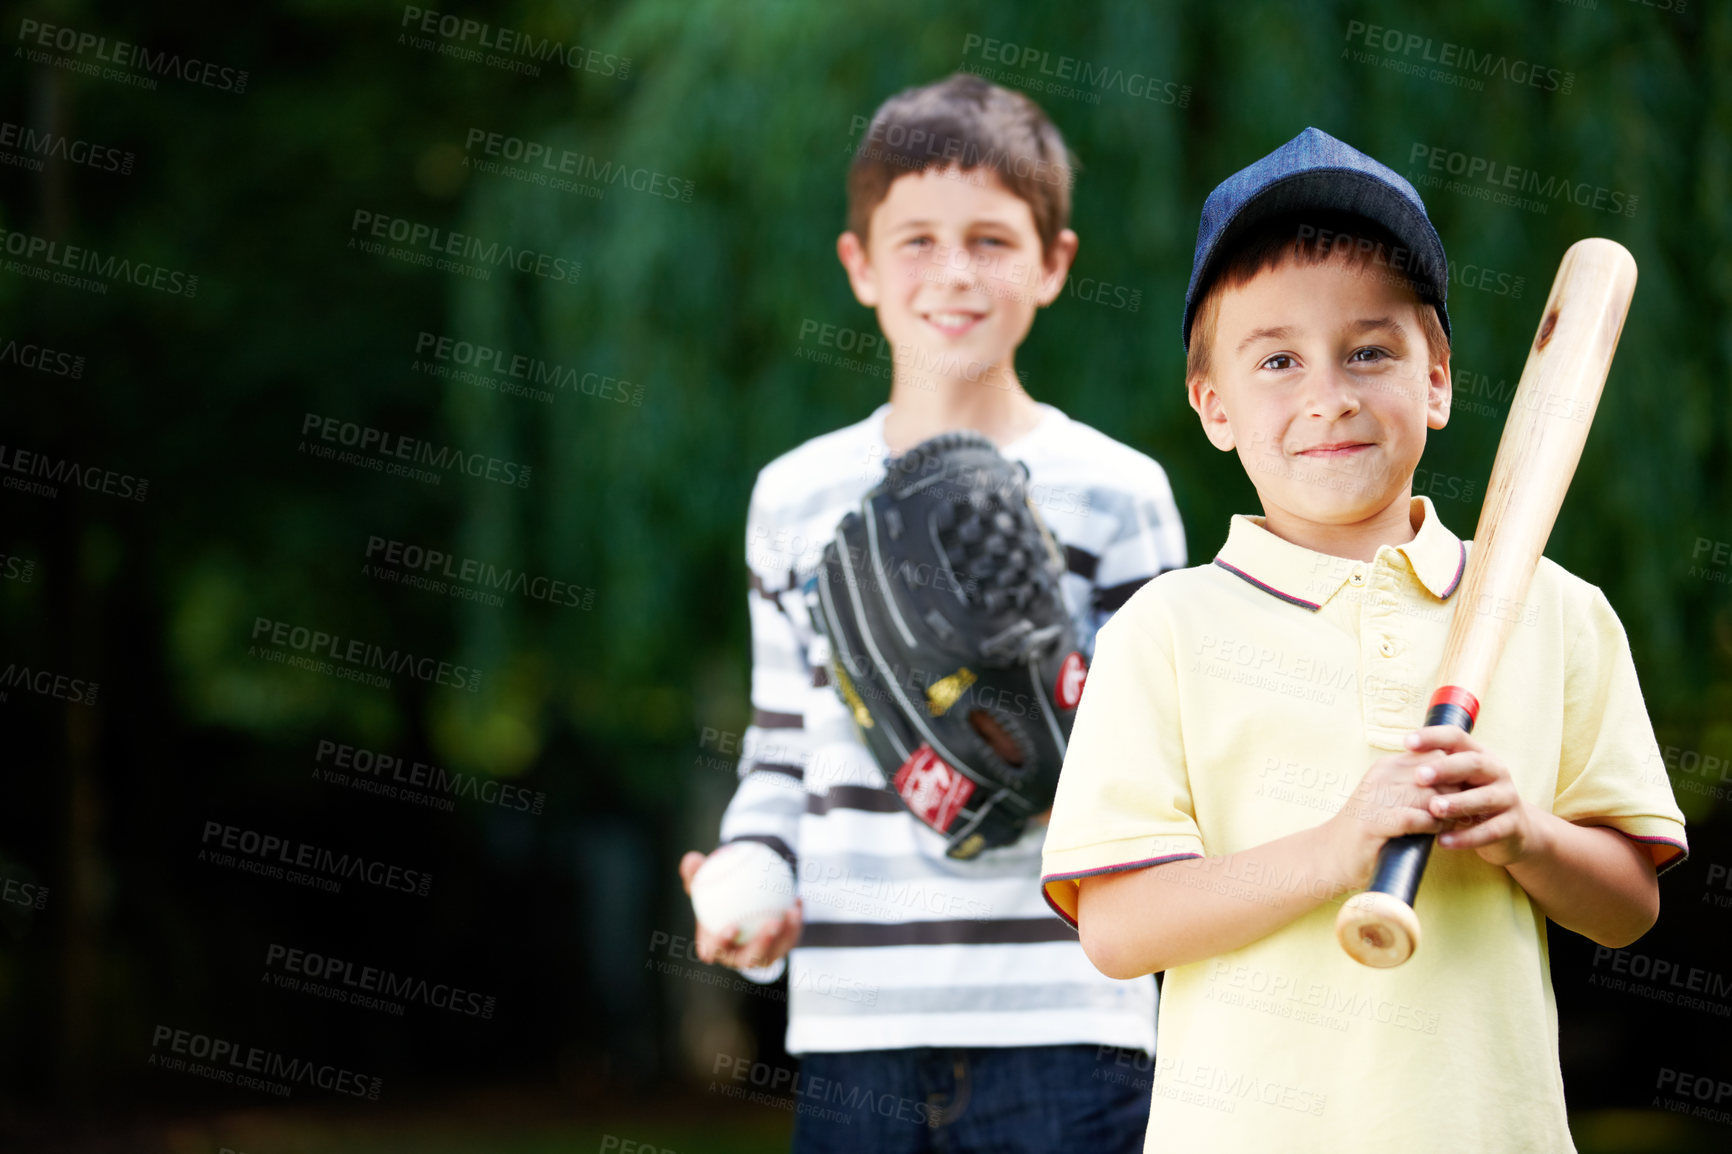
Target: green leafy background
[[700, 305]]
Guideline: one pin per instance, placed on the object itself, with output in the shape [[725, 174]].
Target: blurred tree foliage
[[701, 304]]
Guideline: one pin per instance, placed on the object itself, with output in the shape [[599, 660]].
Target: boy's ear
[[851, 250], [1439, 394], [1055, 266], [1207, 402]]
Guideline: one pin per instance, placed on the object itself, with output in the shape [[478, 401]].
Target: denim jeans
[[1046, 1099]]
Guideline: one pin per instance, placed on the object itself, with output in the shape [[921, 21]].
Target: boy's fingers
[[775, 938], [1483, 834], [1488, 799], [1444, 737], [1456, 769], [759, 949], [1416, 821], [715, 945], [690, 864], [792, 924], [1403, 771]]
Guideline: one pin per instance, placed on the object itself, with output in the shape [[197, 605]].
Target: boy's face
[[1322, 379], [954, 268]]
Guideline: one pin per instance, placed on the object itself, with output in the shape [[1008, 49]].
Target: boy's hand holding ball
[[743, 896]]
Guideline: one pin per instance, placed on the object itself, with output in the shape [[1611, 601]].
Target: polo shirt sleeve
[[1124, 796], [1610, 770]]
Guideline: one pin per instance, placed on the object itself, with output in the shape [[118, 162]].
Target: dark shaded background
[[625, 715]]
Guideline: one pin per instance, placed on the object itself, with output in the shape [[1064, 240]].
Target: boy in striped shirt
[[941, 987]]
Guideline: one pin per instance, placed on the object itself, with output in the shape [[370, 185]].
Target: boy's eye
[[1277, 362], [1368, 354]]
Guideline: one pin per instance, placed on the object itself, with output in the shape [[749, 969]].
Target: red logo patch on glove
[[933, 790], [1071, 676]]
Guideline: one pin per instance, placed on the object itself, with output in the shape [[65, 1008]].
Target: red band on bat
[[1456, 695]]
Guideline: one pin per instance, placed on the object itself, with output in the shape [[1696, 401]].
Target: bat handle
[[1378, 927]]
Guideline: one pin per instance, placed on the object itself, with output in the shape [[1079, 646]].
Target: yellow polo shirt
[[1235, 703]]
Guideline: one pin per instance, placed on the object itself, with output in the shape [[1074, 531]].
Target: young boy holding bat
[[1216, 805]]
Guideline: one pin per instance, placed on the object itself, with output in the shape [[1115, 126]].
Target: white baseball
[[743, 884]]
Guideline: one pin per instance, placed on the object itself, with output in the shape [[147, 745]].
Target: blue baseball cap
[[1314, 171]]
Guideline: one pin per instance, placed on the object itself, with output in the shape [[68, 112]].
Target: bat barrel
[[1378, 927]]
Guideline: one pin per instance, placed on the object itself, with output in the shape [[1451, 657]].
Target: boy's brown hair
[[970, 123], [1311, 238]]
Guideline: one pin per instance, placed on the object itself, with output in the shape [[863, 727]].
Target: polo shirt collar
[[1309, 579]]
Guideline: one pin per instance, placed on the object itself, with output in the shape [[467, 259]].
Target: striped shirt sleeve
[[1149, 540], [771, 794]]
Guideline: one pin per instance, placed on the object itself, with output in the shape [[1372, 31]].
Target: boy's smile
[[953, 265], [1323, 381], [952, 322]]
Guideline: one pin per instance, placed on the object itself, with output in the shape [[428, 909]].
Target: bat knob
[[1378, 930]]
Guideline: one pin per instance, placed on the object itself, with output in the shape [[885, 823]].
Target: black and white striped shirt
[[902, 945]]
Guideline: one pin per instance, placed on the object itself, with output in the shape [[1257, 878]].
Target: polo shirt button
[[1357, 577], [1386, 647]]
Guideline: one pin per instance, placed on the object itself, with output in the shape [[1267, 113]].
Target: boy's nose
[[1331, 393], [954, 268]]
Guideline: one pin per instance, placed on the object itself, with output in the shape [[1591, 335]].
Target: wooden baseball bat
[[1542, 442]]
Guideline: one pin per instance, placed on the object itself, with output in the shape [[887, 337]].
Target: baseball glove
[[950, 642]]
